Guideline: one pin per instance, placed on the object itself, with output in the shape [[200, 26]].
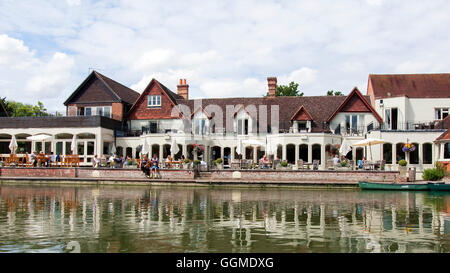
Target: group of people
[[42, 160], [337, 161], [114, 161], [150, 166]]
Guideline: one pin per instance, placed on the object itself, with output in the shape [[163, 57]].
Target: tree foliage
[[18, 109], [290, 90], [334, 93]]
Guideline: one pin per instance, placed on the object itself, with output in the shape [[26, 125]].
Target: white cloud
[[53, 76], [73, 2], [228, 46], [303, 75], [14, 54], [28, 78]]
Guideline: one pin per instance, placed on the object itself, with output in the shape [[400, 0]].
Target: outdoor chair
[[276, 162], [300, 164], [316, 164], [330, 164]]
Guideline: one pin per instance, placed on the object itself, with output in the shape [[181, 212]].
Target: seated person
[[95, 162], [168, 161], [118, 161], [336, 160], [265, 161], [155, 165], [361, 163], [145, 166], [111, 161]]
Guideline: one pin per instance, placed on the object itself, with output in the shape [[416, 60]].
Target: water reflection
[[180, 219]]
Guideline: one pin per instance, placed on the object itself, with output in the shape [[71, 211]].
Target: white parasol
[[73, 145], [239, 148], [369, 142], [345, 147], [40, 137], [174, 149], [145, 148], [13, 144]]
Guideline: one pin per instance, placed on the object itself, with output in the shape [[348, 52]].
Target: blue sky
[[222, 48]]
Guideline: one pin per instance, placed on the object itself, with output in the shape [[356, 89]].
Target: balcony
[[434, 125]]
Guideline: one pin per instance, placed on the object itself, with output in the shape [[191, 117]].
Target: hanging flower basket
[[334, 149], [199, 148], [408, 147]]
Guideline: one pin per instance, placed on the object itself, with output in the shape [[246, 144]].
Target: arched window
[[303, 152], [399, 154], [427, 154], [316, 152], [414, 156], [387, 153]]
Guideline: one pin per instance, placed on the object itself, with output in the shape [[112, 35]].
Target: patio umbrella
[[13, 144], [174, 147], [369, 142], [239, 148], [145, 148], [73, 145], [345, 147], [113, 149], [40, 137]]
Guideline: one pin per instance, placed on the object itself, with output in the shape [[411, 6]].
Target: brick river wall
[[91, 173], [217, 175], [322, 176]]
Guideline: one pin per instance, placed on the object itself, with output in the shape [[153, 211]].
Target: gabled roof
[[170, 95], [203, 110], [444, 124], [241, 107], [119, 92], [411, 85], [348, 99], [305, 115]]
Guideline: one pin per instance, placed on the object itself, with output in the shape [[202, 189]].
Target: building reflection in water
[[171, 219]]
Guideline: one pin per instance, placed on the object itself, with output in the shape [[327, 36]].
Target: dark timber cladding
[[60, 122]]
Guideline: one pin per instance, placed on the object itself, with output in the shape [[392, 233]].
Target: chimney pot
[[183, 89]]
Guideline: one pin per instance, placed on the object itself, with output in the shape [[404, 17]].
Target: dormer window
[[154, 101], [302, 126]]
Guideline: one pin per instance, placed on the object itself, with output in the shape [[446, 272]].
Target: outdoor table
[[235, 165]]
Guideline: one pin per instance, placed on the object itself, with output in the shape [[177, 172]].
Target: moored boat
[[393, 186], [439, 186]]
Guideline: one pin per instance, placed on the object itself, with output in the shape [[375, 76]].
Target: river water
[[220, 219]]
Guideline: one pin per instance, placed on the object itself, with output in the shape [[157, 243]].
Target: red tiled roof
[[320, 107], [445, 123], [411, 85]]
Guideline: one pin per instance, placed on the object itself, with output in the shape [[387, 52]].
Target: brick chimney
[[183, 89], [272, 83]]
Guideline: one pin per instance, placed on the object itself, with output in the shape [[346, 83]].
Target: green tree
[[290, 90], [18, 109], [334, 93]]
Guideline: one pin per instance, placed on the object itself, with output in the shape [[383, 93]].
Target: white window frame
[[154, 101], [90, 111], [439, 115]]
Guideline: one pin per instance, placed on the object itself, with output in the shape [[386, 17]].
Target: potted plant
[[284, 165], [402, 168], [343, 165], [219, 163], [186, 163]]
